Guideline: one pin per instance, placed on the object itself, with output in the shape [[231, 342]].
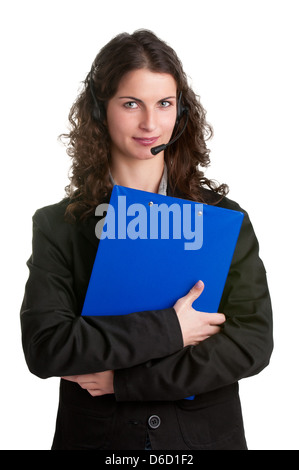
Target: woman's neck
[[144, 175]]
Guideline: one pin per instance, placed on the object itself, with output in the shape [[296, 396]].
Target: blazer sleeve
[[242, 348], [58, 341]]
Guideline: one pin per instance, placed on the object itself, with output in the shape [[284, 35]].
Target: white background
[[242, 59]]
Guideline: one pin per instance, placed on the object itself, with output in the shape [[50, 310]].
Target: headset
[[99, 115], [98, 111]]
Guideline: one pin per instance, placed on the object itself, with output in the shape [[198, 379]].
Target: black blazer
[[153, 371]]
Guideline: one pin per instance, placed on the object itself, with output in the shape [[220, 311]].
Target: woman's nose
[[148, 120]]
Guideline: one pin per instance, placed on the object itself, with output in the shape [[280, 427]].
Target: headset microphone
[[159, 148]]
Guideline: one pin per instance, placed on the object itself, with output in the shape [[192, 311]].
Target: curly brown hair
[[89, 140]]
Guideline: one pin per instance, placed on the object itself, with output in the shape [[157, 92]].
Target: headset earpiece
[[181, 109], [98, 111]]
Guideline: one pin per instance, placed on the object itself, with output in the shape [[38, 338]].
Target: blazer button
[[154, 421]]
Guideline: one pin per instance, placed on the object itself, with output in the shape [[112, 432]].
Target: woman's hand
[[196, 326], [97, 384]]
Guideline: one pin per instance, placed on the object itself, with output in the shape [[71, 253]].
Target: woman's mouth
[[146, 141]]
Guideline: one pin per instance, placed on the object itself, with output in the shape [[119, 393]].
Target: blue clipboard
[[154, 248], [142, 263]]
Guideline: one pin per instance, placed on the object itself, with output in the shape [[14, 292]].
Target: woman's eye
[[131, 105], [165, 104]]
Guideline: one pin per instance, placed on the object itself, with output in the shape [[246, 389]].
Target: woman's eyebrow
[[140, 101], [130, 98], [168, 98]]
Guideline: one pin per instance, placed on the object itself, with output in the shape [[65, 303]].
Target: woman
[[124, 378]]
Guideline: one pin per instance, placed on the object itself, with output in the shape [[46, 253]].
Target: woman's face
[[142, 114]]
